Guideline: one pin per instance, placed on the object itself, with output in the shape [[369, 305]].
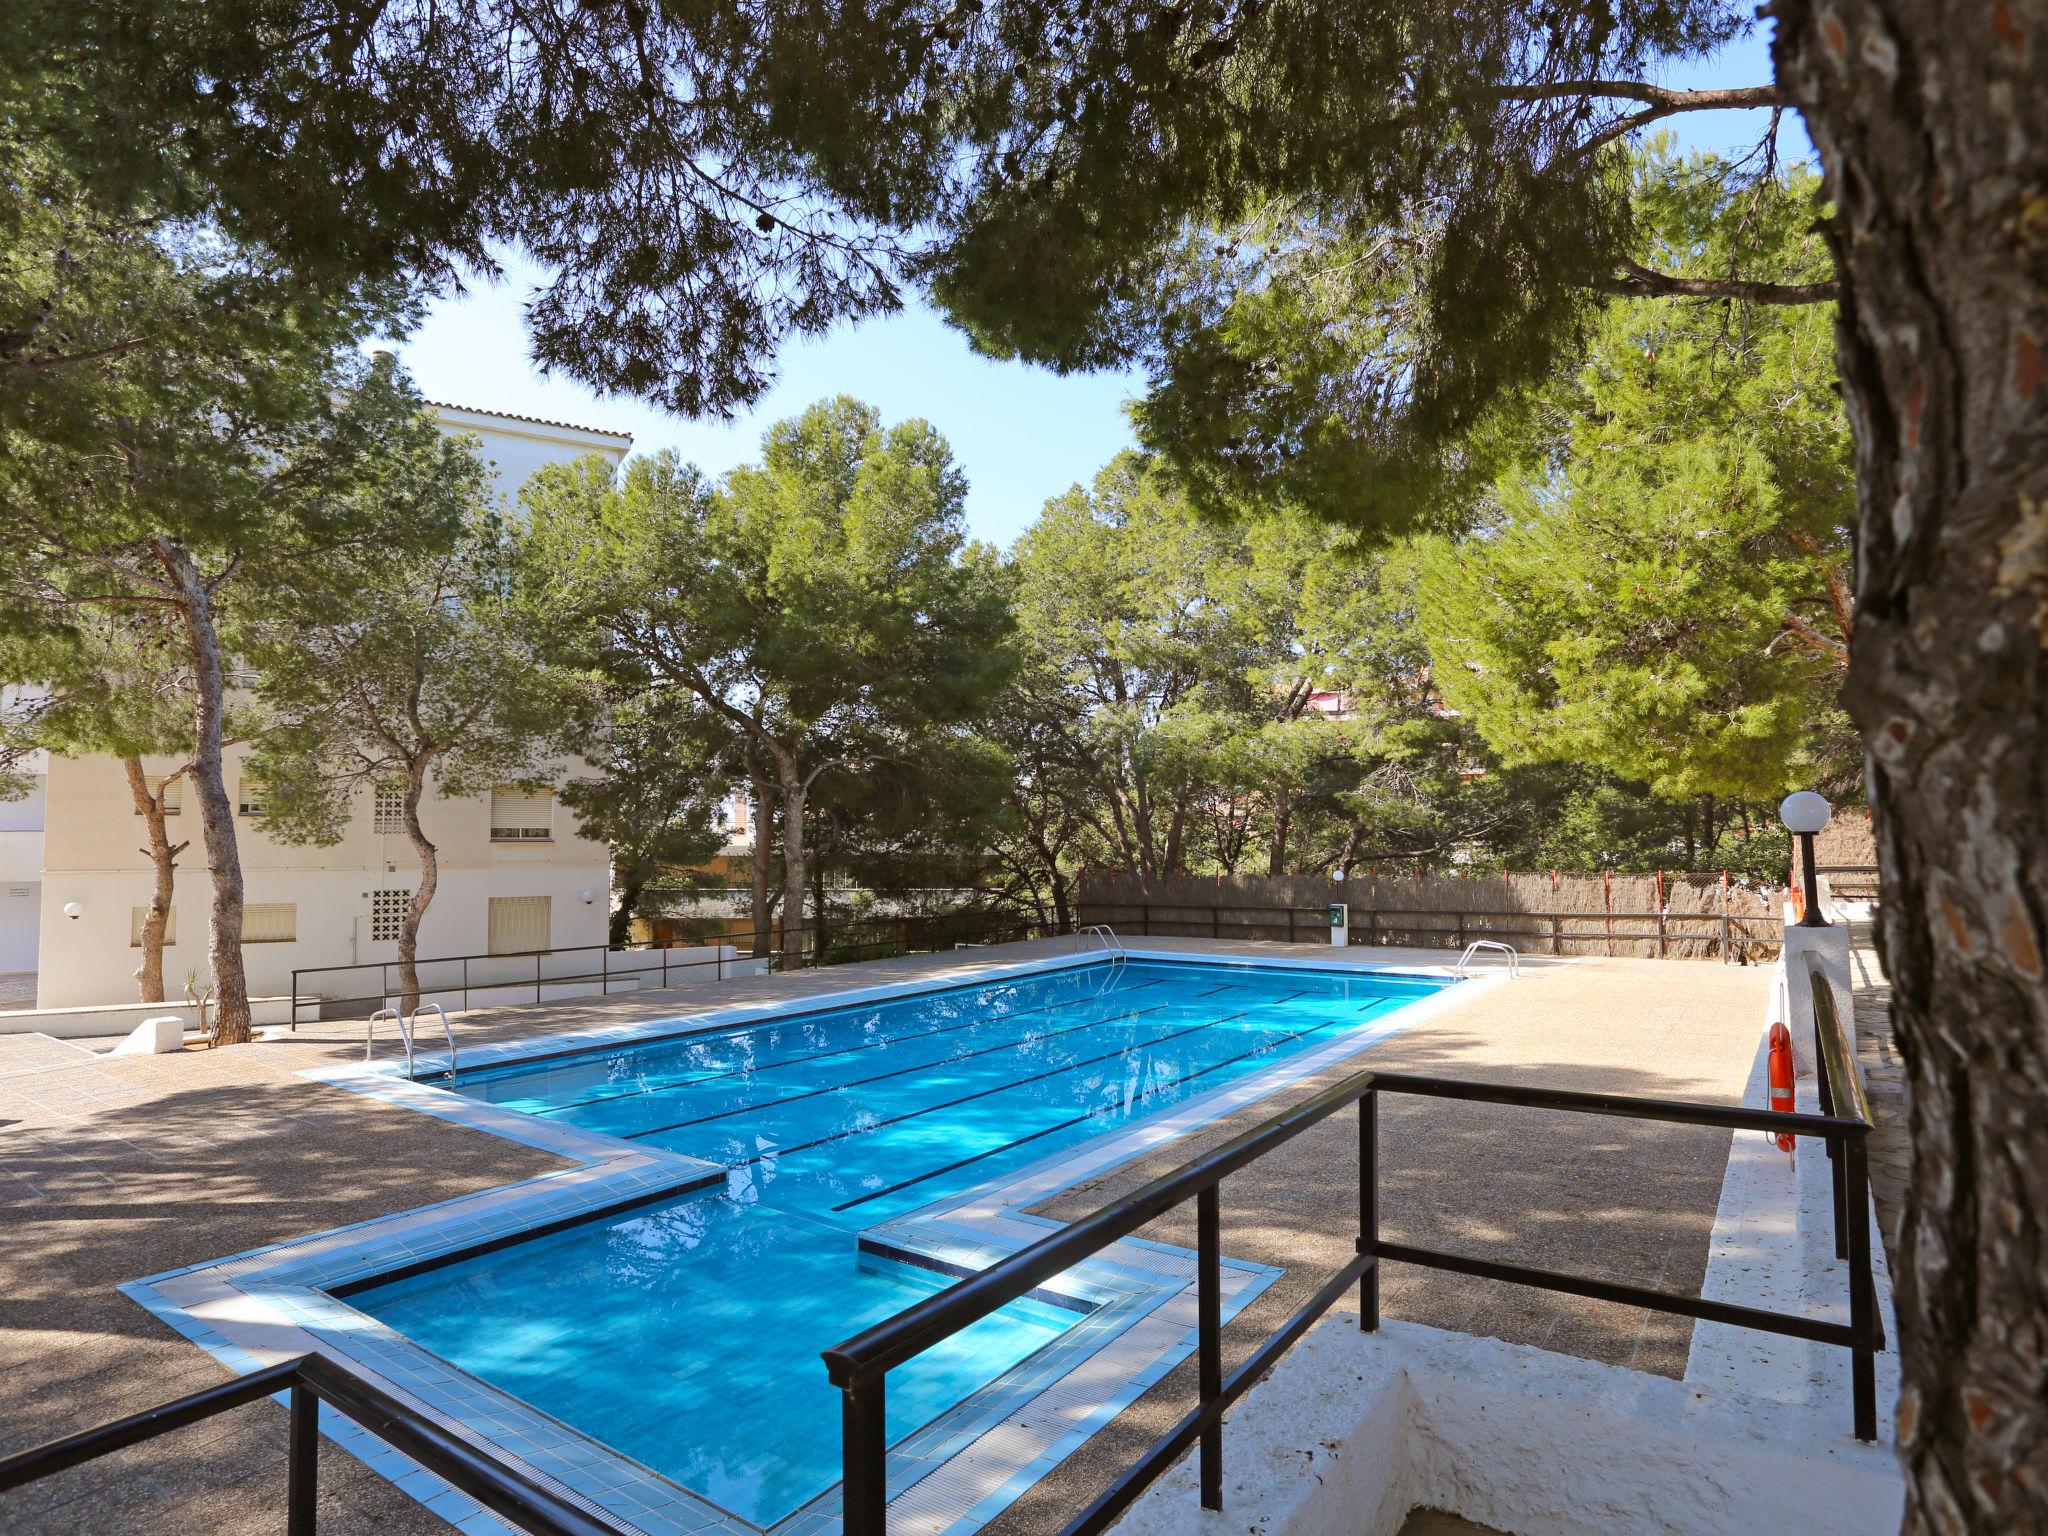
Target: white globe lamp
[[1805, 813]]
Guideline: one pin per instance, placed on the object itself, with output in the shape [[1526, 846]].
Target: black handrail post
[[465, 983], [1862, 1291], [1209, 1329], [302, 1474], [1838, 1176], [536, 975], [864, 1493], [1369, 1209]]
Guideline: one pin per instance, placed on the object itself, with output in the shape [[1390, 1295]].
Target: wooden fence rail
[[1394, 926]]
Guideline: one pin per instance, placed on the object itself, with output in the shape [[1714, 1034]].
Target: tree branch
[[1640, 282]]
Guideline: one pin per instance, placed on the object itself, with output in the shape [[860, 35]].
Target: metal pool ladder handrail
[[405, 1034], [1111, 944], [447, 1032], [1464, 964]]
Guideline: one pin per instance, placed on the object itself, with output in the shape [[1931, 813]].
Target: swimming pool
[[685, 1334]]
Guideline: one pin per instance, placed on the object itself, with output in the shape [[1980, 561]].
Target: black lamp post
[[1805, 813]]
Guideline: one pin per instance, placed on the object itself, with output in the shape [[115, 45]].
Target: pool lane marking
[[932, 1109], [845, 1050], [848, 1205], [919, 1066]]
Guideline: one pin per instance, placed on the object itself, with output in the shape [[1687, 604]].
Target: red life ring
[[1783, 1097]]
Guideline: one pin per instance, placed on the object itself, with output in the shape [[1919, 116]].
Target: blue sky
[[1022, 433]]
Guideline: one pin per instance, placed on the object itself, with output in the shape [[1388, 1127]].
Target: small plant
[[199, 992]]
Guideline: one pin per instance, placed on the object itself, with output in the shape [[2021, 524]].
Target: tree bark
[[1283, 818], [1932, 125], [163, 860], [795, 864], [423, 893], [818, 902], [764, 827], [620, 928], [216, 811]]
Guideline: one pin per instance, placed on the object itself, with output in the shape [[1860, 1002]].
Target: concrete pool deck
[[120, 1168]]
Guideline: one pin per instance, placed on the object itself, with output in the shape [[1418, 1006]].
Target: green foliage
[[426, 677], [828, 594], [1412, 196], [655, 799], [1650, 592], [825, 605]]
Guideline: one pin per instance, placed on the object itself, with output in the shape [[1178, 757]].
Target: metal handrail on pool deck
[[504, 1489], [860, 1365]]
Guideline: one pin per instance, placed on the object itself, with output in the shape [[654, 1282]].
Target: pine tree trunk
[[1283, 819], [818, 902], [163, 860], [216, 810], [795, 865], [1932, 122], [620, 929], [423, 894], [764, 831]]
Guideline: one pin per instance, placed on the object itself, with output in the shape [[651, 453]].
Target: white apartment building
[[515, 871]]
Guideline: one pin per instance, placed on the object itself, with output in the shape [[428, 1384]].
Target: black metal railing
[[1380, 926], [502, 976], [446, 976], [500, 1487], [859, 1367]]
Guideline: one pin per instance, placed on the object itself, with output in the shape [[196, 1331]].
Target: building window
[[387, 915], [518, 924], [270, 922], [522, 815], [137, 916], [389, 815], [173, 797], [253, 799]]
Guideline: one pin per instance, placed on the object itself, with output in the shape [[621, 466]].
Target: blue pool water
[[686, 1334]]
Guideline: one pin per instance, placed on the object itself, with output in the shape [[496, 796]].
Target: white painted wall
[[89, 959], [77, 839], [21, 877], [515, 447]]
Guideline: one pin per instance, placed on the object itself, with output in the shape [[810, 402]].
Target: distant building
[[515, 871]]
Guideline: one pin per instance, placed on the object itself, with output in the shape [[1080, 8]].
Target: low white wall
[[1352, 1430], [120, 1018], [1806, 948], [88, 959]]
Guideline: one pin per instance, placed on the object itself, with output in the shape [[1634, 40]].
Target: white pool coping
[[271, 1304]]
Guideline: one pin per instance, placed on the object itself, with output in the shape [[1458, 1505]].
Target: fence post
[[1209, 1336], [1660, 914], [536, 975], [1369, 1209], [1372, 926], [465, 983], [1145, 917], [864, 1493], [1557, 933], [1461, 933], [1215, 922], [1862, 1297], [302, 1463], [1726, 938]]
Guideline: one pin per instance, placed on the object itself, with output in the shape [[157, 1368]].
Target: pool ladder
[[1112, 946], [405, 1034], [1464, 965]]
